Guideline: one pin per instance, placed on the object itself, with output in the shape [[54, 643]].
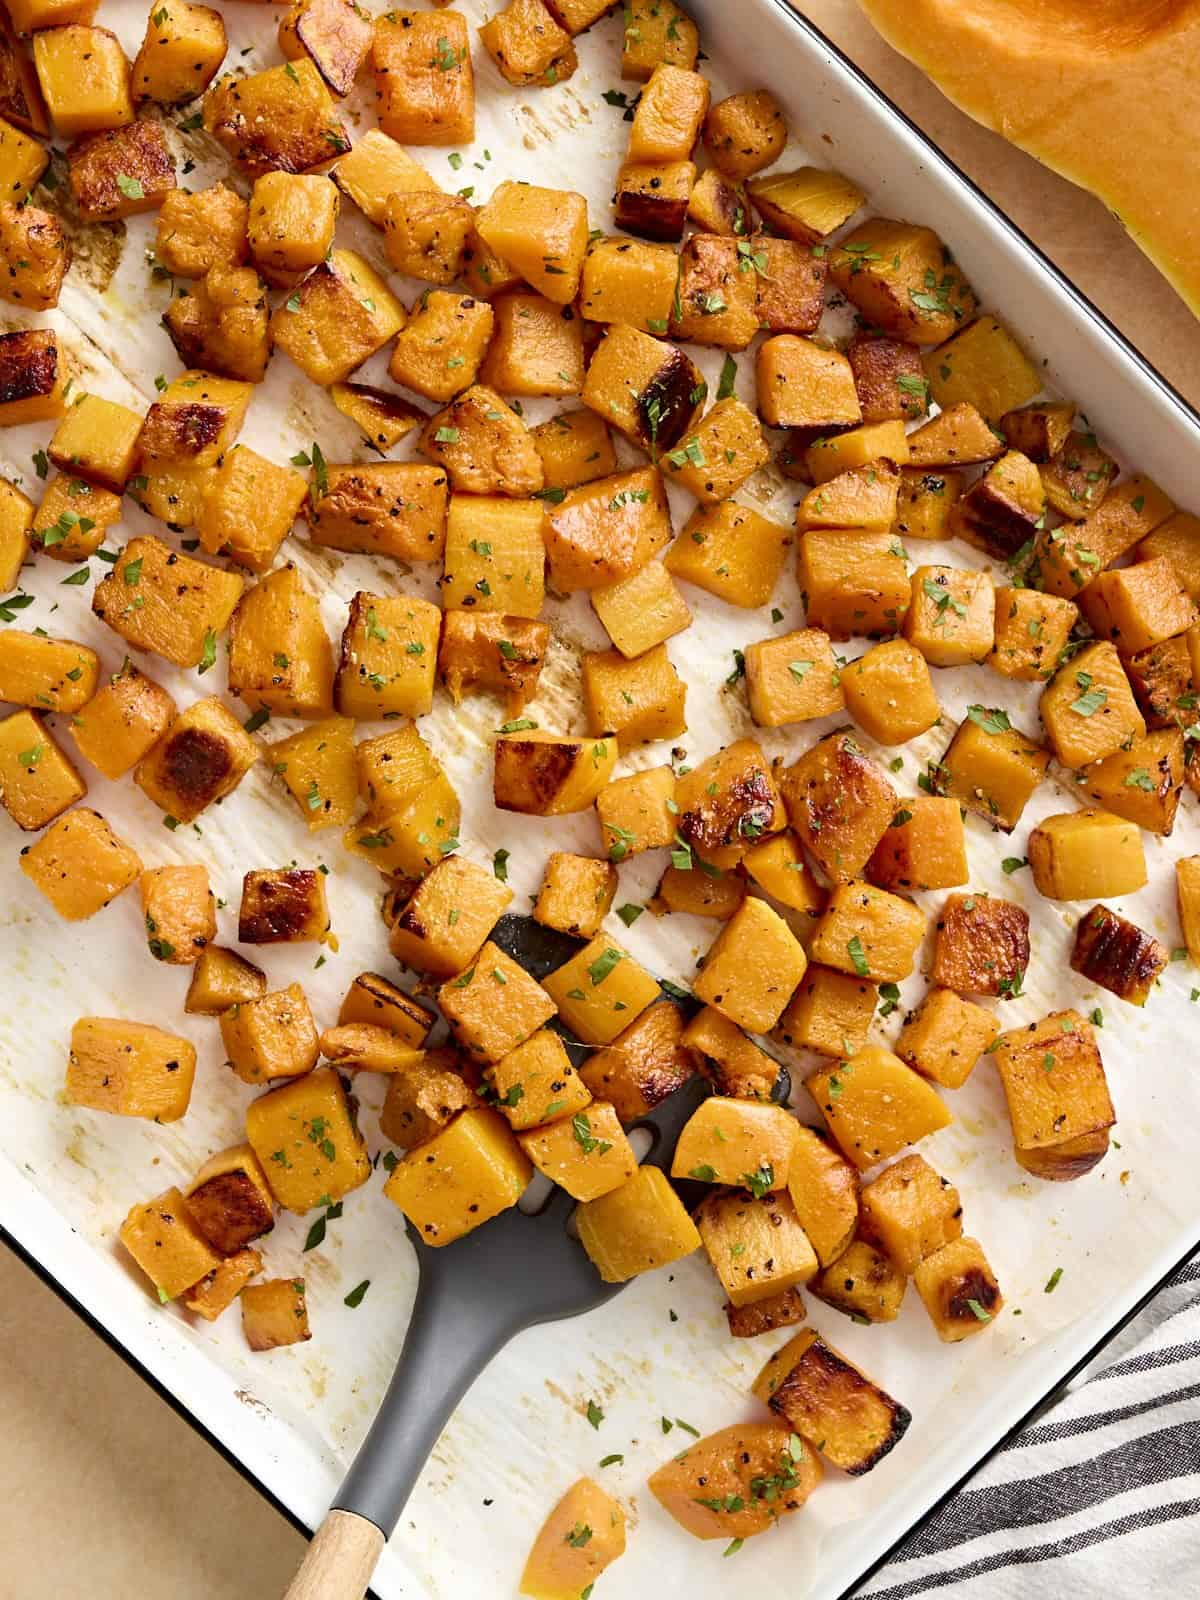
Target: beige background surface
[[105, 1491]]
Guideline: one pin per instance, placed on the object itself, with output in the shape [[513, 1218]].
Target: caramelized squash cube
[[544, 775], [389, 509], [946, 1038], [528, 46], [126, 716], [831, 1013], [180, 54], [605, 531], [197, 232], [1084, 855], [889, 378], [924, 848], [924, 500], [275, 1313], [868, 933], [426, 234], [179, 912], [1089, 710], [282, 905], [273, 1036], [715, 299], [804, 385], [1117, 955], [1067, 558], [576, 894], [281, 119], [822, 1396], [727, 802], [646, 1062], [162, 601], [863, 1283], [1032, 631], [840, 804], [484, 446], [911, 1212], [203, 756], [1001, 512], [33, 378], [731, 1061], [377, 168], [375, 1001], [424, 81], [130, 1069], [164, 1241], [80, 864], [465, 1175], [648, 390], [35, 253], [952, 617], [221, 979], [1039, 431], [600, 991], [448, 917], [983, 366], [230, 1200], [217, 1291], [84, 77], [959, 1290], [37, 781], [334, 34], [1142, 781], [875, 1105], [855, 583], [1162, 677], [753, 968], [541, 233], [1138, 606], [653, 198], [341, 314], [981, 946], [731, 552], [280, 658], [575, 447], [924, 299], [991, 768], [789, 281], [194, 423], [121, 172]]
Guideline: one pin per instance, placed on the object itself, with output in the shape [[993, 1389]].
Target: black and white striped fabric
[[1099, 1495]]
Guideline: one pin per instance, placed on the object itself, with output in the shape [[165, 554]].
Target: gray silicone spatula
[[472, 1297]]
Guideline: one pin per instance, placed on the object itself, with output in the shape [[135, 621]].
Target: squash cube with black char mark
[[646, 1062], [220, 979], [448, 916], [729, 1059], [653, 198], [540, 233], [164, 1241], [280, 658], [981, 946], [648, 390], [1116, 954], [121, 172], [37, 780], [80, 864], [281, 119], [377, 1002], [863, 1283], [384, 417], [230, 1200], [840, 804], [203, 756], [484, 446], [824, 1397], [35, 253], [33, 377], [273, 1036], [130, 1069], [284, 905], [959, 1290], [727, 802], [1057, 1094], [334, 34], [544, 775]]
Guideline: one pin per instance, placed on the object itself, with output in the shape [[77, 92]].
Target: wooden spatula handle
[[339, 1561]]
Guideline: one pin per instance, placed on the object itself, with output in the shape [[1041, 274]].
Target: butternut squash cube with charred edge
[[388, 658], [840, 804], [1078, 477], [250, 506], [1117, 955], [924, 848], [275, 1313], [1163, 680], [1143, 782], [875, 1105], [981, 946], [16, 519], [96, 441], [637, 701], [575, 447], [80, 864], [1039, 431], [731, 1061], [494, 556], [465, 1175], [889, 378], [341, 314], [440, 351], [84, 77], [765, 1316], [32, 377], [946, 1037], [1138, 606], [385, 418], [708, 892], [280, 658], [738, 1482], [334, 34], [230, 1200], [197, 232], [130, 1069], [956, 437], [728, 802], [863, 1283], [283, 905], [37, 780], [792, 678], [1082, 855], [636, 1228], [217, 1290], [923, 502], [164, 1241], [426, 234], [121, 172], [856, 447], [670, 113], [424, 1098], [629, 282], [648, 390], [716, 299], [815, 1389], [281, 119], [952, 617], [124, 718], [73, 519], [805, 204], [494, 1005], [1032, 631], [719, 454], [789, 283], [273, 1036], [1089, 710], [757, 1247], [541, 233], [646, 1062], [362, 1047], [653, 198], [194, 423], [824, 1191], [605, 531], [448, 917], [657, 32], [925, 299], [203, 756], [831, 1013], [536, 1082], [1001, 512], [291, 223], [159, 600], [983, 366], [741, 1143], [868, 933], [375, 1001], [564, 1561], [545, 775], [863, 497], [854, 583], [910, 1212], [306, 1141], [991, 768], [424, 81], [576, 894], [641, 611], [50, 674], [1051, 1104], [1178, 538], [35, 253], [732, 552], [528, 46], [377, 168], [220, 979], [179, 912], [586, 1154], [503, 654], [636, 813], [484, 446], [395, 509], [22, 160], [180, 54], [1067, 558], [600, 991], [778, 867], [804, 385], [959, 1290], [752, 970]]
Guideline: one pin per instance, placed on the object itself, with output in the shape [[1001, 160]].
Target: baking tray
[[291, 1421]]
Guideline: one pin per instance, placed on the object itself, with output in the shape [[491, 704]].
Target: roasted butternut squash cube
[[197, 232], [273, 1036], [743, 1143], [575, 447], [304, 1136], [333, 34], [203, 756], [384, 417], [426, 234], [952, 617], [180, 54], [715, 299], [484, 273], [536, 1083], [484, 446], [1089, 710], [670, 114], [84, 78], [818, 1391], [73, 518], [465, 1175], [528, 46], [494, 1005], [946, 1038], [388, 657], [925, 299], [250, 506], [80, 864], [33, 378], [162, 601], [282, 905], [863, 1283], [1067, 558], [1049, 1104], [37, 781], [577, 15], [636, 1228], [753, 968], [911, 1212], [731, 1061], [657, 31], [991, 767], [1117, 955], [500, 653], [983, 366], [275, 1313], [280, 658], [440, 350], [22, 161], [1078, 476], [849, 448], [716, 457], [606, 530], [831, 1013], [875, 1105], [45, 673], [641, 611], [376, 168], [778, 867], [424, 1097], [923, 502], [868, 933], [648, 390], [864, 497], [1178, 538], [1032, 631], [217, 1290], [1002, 511], [341, 314], [653, 198], [121, 172], [924, 847], [291, 223], [220, 979], [1187, 891], [195, 422], [395, 509], [1086, 855], [637, 813], [541, 233], [637, 700], [375, 1001], [35, 253], [855, 583], [361, 1047], [576, 894], [765, 1316], [282, 118], [1163, 678], [805, 204], [732, 552], [164, 1241], [130, 1069], [537, 348], [709, 892], [889, 378], [981, 946], [424, 82], [179, 912], [1138, 606], [727, 802], [757, 1247], [840, 804], [1142, 782], [824, 1191], [792, 678], [582, 1536], [714, 1489], [600, 991], [630, 282], [230, 1200], [122, 720], [16, 519], [789, 282], [745, 133], [96, 441], [647, 1061], [586, 1154], [494, 556], [1039, 431], [544, 775], [804, 385], [959, 1290], [414, 834]]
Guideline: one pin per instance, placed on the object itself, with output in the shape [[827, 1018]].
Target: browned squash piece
[[35, 253], [164, 1241], [924, 299], [33, 377], [715, 298], [889, 378], [221, 979], [1003, 510], [824, 1397], [862, 1283], [281, 119], [727, 802], [544, 775], [275, 1313], [528, 46], [20, 94], [956, 437], [1138, 606], [1142, 781], [649, 391], [121, 172], [644, 1064], [924, 848], [490, 651], [334, 34], [717, 206], [737, 1482], [990, 767], [216, 1292], [359, 1047], [1039, 431], [959, 1290], [424, 81], [1067, 558], [1078, 476], [230, 1200], [221, 324], [1118, 955], [197, 232], [653, 198], [202, 756], [484, 446], [606, 530], [341, 314], [840, 804], [1162, 680], [1053, 1080], [765, 1316], [789, 283], [981, 946], [425, 1097], [732, 1062]]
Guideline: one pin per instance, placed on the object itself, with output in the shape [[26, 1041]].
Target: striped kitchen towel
[[1099, 1493]]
